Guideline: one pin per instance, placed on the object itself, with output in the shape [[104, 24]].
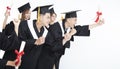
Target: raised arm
[[94, 25], [5, 19]]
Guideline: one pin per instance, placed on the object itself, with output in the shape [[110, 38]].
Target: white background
[[99, 51]]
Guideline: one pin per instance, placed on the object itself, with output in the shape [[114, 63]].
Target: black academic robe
[[55, 36], [32, 51], [6, 41], [46, 58], [14, 44], [2, 63]]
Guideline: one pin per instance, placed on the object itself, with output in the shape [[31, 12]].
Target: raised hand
[[7, 13], [67, 36], [73, 31], [40, 41], [12, 63], [101, 22]]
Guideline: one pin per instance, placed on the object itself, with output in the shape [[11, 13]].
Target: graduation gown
[[6, 41], [14, 44], [55, 36], [2, 63], [3, 47], [32, 51], [46, 58]]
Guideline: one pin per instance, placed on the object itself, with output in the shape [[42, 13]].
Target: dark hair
[[64, 20], [52, 14]]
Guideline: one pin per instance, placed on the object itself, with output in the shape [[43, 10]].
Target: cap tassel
[[19, 17], [38, 19], [62, 18]]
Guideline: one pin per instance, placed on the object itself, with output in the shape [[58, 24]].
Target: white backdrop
[[99, 51]]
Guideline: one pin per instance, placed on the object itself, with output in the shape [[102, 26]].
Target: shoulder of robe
[[23, 23]]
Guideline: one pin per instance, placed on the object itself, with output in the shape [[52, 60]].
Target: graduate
[[32, 31], [46, 60], [4, 45], [11, 30], [4, 41], [53, 17], [62, 33]]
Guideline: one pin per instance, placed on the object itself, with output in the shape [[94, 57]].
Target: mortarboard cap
[[52, 10], [43, 9], [24, 7], [71, 14]]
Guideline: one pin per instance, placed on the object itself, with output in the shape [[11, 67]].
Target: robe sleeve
[[82, 30], [4, 42], [9, 38], [2, 63], [9, 28]]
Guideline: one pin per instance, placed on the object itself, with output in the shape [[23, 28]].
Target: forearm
[[4, 22], [99, 23], [93, 26]]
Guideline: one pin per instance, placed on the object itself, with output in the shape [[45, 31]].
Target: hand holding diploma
[[7, 13], [40, 41], [19, 53]]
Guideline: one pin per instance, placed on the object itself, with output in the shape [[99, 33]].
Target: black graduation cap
[[71, 14], [24, 7], [43, 9], [52, 11]]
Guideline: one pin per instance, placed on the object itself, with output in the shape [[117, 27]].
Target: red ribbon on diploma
[[8, 8], [98, 15], [19, 55]]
